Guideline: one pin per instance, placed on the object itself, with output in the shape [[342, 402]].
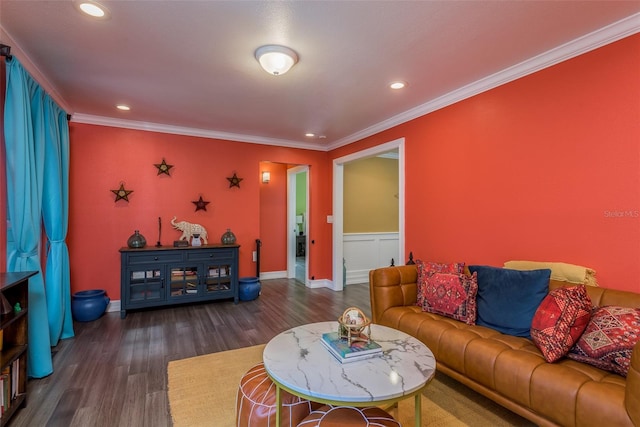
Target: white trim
[[33, 69], [180, 130], [113, 306], [273, 275], [367, 251], [338, 200], [594, 40], [601, 37], [322, 283], [291, 222]]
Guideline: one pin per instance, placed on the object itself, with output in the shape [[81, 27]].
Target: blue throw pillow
[[508, 299]]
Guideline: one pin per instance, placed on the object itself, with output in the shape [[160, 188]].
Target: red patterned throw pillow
[[560, 320], [426, 269], [608, 341], [452, 295]]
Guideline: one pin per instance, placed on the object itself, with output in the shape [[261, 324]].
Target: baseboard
[[357, 276], [113, 306], [273, 275]]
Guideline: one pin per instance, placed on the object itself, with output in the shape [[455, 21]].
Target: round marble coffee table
[[299, 363]]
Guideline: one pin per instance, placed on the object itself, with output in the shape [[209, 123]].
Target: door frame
[[291, 222], [338, 202]]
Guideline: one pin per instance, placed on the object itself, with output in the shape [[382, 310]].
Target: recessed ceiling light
[[92, 8], [123, 107], [398, 85], [309, 134]]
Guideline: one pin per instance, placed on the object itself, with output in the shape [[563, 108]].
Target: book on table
[[344, 352]]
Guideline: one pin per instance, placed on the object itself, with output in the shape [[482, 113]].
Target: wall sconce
[[266, 177]]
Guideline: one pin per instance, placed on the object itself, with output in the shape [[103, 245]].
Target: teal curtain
[[55, 215], [31, 123]]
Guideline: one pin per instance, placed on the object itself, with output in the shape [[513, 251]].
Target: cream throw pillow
[[559, 271]]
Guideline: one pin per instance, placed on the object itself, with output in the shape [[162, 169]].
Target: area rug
[[202, 392]]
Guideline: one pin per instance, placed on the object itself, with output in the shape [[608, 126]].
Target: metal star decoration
[[121, 193], [234, 181], [163, 168], [200, 204]]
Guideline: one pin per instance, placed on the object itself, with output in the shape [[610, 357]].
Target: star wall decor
[[121, 193], [200, 204], [234, 181], [163, 168]]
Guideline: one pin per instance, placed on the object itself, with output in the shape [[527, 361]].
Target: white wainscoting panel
[[364, 252]]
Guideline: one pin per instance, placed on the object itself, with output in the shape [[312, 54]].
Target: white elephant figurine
[[188, 230]]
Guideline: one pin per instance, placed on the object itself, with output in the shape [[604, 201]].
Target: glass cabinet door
[[145, 284], [218, 278], [184, 281]]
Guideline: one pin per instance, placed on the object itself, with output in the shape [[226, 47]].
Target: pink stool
[[347, 416], [256, 402]]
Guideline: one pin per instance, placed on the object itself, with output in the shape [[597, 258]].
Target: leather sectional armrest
[[392, 287]]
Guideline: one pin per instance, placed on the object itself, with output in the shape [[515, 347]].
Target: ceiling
[[189, 67]]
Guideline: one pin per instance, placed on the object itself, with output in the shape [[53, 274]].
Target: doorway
[[338, 204], [298, 223]]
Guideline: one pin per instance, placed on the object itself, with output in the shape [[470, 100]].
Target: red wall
[[544, 168], [102, 157], [273, 218]]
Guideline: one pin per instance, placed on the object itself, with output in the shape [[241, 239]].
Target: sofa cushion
[[608, 340], [560, 320], [426, 268], [508, 299], [451, 295]]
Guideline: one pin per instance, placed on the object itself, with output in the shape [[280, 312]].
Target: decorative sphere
[[353, 317], [353, 323]]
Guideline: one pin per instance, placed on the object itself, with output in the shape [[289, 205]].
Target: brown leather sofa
[[511, 370]]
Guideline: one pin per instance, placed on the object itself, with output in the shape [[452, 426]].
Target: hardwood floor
[[114, 372]]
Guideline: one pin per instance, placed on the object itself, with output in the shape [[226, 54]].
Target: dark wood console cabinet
[[152, 276]]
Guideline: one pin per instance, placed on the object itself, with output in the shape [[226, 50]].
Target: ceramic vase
[[228, 238], [249, 288], [87, 306]]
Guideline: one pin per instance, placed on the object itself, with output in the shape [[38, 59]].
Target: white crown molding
[[601, 37], [35, 72], [179, 130]]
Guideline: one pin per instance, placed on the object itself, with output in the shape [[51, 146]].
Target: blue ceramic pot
[[249, 288], [89, 305]]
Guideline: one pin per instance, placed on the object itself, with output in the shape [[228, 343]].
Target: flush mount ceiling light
[[92, 8], [123, 107], [276, 60]]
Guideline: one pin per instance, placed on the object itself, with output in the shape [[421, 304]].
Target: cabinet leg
[[123, 314]]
